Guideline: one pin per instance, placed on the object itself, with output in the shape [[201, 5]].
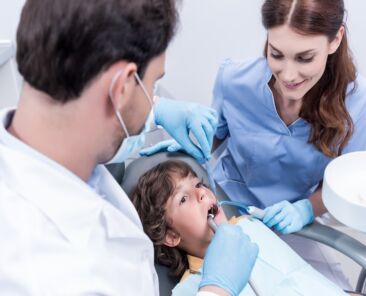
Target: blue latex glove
[[229, 259], [168, 145], [179, 118], [286, 217]]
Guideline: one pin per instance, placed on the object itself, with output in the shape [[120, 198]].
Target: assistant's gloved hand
[[167, 145], [229, 259], [180, 118], [286, 217]]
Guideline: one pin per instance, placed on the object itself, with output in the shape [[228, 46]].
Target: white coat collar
[[70, 203]]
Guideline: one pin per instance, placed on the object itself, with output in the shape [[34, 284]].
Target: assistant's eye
[[305, 60], [183, 200], [276, 56]]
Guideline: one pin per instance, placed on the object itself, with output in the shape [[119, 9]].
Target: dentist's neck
[[62, 132]]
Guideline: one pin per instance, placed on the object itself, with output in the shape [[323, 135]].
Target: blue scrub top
[[265, 160]]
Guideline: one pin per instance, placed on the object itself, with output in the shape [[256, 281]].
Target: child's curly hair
[[150, 197]]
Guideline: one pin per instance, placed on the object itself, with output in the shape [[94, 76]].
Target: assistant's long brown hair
[[324, 105]]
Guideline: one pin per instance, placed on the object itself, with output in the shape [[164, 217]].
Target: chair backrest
[[117, 170], [131, 176]]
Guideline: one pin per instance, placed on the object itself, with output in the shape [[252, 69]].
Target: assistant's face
[[297, 61]]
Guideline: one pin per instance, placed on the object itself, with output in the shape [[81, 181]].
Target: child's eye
[[201, 184], [183, 200]]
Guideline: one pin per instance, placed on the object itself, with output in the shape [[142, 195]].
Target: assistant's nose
[[289, 72]]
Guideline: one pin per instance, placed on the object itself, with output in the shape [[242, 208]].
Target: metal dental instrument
[[213, 226], [208, 168], [251, 210], [207, 165], [210, 217], [211, 222]]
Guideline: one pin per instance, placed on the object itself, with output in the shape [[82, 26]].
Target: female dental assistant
[[285, 116]]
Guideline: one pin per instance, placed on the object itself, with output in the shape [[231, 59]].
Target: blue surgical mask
[[131, 144]]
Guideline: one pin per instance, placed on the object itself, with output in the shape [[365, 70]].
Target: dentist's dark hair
[[152, 192], [63, 45], [324, 106]]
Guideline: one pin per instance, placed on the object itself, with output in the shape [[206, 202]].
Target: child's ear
[[172, 239]]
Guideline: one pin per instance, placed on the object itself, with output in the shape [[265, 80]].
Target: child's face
[[186, 213]]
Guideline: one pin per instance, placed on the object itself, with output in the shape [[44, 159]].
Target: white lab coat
[[61, 237]]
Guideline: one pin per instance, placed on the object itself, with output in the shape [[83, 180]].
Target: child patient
[[173, 204]]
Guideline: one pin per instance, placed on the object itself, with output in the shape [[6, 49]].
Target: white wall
[[9, 79], [356, 30], [212, 30]]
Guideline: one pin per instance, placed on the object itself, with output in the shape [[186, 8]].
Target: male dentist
[[67, 227]]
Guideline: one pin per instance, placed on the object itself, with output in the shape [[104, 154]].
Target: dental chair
[[128, 178]]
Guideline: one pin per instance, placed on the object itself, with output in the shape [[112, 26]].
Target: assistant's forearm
[[317, 202]]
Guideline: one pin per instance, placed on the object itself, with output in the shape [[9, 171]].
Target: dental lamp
[[344, 189]]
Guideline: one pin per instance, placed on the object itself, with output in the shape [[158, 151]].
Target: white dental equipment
[[344, 189]]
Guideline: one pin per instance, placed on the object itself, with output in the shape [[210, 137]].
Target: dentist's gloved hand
[[167, 145], [229, 259], [286, 217], [179, 118]]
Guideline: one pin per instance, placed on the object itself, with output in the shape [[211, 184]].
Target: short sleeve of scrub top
[[356, 106], [265, 160]]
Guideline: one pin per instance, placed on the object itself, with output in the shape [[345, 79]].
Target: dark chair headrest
[[141, 165]]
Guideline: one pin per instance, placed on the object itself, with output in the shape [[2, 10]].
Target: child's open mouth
[[213, 210]]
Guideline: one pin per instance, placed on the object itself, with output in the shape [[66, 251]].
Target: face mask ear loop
[[122, 123], [114, 80], [144, 89]]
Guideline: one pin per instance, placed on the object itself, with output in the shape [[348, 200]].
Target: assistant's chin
[[293, 95]]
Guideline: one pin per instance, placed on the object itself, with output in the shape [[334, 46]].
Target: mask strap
[[153, 126], [114, 80], [144, 89]]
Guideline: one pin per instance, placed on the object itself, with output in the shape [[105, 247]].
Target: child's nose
[[201, 195]]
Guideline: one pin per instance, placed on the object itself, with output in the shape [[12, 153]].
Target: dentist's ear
[[336, 41], [122, 84], [172, 238]]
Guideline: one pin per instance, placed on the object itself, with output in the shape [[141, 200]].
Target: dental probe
[[207, 165], [251, 210], [208, 168], [211, 222], [213, 226]]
